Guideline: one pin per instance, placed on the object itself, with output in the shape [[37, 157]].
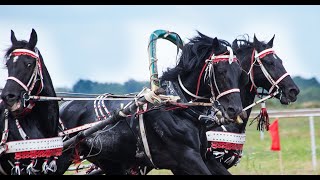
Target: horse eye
[[29, 64]]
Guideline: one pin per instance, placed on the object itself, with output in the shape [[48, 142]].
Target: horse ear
[[215, 44], [235, 45], [270, 43], [13, 38], [33, 39], [255, 41]]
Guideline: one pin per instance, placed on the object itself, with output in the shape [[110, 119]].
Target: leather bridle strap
[[258, 57]]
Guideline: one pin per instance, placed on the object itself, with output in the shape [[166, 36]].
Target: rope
[[47, 98]]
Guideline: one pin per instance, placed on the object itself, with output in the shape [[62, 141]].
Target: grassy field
[[258, 159]]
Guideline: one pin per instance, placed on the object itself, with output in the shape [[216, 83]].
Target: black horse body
[[176, 138], [288, 93], [42, 120]]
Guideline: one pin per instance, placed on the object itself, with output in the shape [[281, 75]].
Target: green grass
[[258, 159], [295, 143], [295, 149]]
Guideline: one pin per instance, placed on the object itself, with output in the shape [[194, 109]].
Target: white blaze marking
[[15, 59]]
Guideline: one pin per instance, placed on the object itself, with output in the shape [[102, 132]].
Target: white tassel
[[30, 168], [53, 165], [21, 131], [45, 166], [218, 155], [239, 157], [229, 160], [16, 169]]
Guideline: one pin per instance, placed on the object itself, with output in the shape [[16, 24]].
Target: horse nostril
[[294, 92], [231, 111]]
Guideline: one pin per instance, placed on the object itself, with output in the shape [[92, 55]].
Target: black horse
[[267, 72], [22, 120], [176, 137]]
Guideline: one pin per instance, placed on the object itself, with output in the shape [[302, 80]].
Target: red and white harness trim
[[34, 144], [226, 140], [257, 57]]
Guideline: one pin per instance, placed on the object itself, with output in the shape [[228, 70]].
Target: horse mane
[[193, 55], [245, 42], [18, 45]]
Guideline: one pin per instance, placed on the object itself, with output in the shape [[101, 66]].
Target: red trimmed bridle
[[210, 74], [257, 57], [37, 72]]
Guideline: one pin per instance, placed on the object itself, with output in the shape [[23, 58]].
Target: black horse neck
[[247, 94], [176, 89]]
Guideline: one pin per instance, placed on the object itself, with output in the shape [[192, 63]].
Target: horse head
[[208, 69], [25, 75], [266, 69]]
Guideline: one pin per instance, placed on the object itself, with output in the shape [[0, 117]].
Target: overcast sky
[[109, 43]]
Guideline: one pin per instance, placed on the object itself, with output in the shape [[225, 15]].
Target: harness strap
[[228, 92], [144, 138], [263, 53], [19, 52], [187, 91], [226, 137], [2, 170], [21, 131], [277, 82], [6, 129], [257, 57], [19, 82], [79, 128], [34, 144]]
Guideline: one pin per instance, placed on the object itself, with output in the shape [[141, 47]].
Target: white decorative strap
[[230, 54], [277, 82], [21, 131], [228, 92], [19, 82], [226, 137], [34, 144], [79, 128], [26, 51], [263, 52], [144, 139], [187, 91], [3, 148], [222, 57]]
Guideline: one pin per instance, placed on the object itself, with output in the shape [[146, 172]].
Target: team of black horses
[[175, 136]]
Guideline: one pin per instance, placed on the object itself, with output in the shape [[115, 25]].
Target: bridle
[[210, 76], [37, 72], [257, 57]]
